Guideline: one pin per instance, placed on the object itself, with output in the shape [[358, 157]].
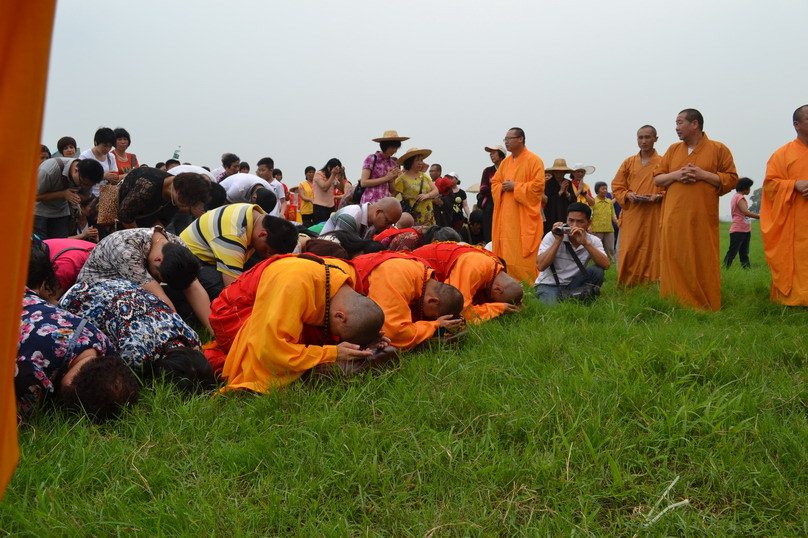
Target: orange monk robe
[[517, 224], [472, 272], [394, 285], [269, 349], [26, 27], [638, 256], [784, 224], [689, 257]]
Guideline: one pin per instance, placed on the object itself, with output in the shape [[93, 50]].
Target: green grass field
[[554, 422]]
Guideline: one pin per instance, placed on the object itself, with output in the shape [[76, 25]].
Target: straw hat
[[498, 147], [587, 168], [412, 152], [391, 136], [559, 165]]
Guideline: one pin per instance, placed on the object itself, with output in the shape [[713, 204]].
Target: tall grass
[[553, 421]]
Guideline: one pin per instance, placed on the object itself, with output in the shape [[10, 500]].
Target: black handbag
[[586, 293], [359, 190]]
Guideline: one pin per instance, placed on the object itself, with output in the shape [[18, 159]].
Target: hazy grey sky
[[303, 81]]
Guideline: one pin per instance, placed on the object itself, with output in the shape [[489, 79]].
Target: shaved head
[[799, 114], [506, 289], [406, 221], [384, 213], [691, 115], [442, 300], [355, 318], [651, 127]]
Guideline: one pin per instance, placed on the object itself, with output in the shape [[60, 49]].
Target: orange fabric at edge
[[26, 28]]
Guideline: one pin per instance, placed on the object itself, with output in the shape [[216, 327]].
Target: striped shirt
[[222, 237]]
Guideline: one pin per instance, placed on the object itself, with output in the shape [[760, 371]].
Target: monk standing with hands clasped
[[783, 216], [517, 189], [695, 172], [633, 186]]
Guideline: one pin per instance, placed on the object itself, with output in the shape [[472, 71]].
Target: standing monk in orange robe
[[633, 186], [488, 291], [695, 172], [415, 305], [784, 214], [517, 188], [290, 315]]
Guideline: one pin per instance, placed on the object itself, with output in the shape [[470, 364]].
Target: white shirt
[[277, 188], [108, 164], [185, 168], [565, 265], [359, 214], [238, 187]]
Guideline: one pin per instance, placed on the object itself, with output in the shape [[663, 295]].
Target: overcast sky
[[303, 81]]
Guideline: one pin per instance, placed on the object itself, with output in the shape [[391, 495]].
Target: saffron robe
[[517, 224], [270, 348], [783, 218], [397, 285], [26, 28], [638, 256], [471, 270], [689, 256]]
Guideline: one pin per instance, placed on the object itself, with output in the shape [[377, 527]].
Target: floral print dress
[[142, 326], [50, 339]]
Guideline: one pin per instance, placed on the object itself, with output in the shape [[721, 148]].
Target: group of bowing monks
[[292, 313]]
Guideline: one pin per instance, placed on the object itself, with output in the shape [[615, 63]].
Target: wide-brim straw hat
[[587, 168], [499, 147], [391, 136], [559, 165], [412, 152]]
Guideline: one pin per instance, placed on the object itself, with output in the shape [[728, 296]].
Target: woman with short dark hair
[[126, 161]]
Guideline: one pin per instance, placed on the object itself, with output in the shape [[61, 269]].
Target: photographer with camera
[[563, 255]]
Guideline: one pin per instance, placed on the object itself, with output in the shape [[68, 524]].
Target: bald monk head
[[800, 118], [355, 318], [406, 221], [441, 300], [506, 289], [384, 213]]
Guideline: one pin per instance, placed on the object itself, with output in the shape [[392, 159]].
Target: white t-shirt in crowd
[[564, 264], [108, 164], [238, 187], [277, 188], [185, 168], [359, 214]]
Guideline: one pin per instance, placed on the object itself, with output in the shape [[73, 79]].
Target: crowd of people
[[129, 262]]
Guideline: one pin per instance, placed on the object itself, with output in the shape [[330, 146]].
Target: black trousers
[[738, 245], [51, 227], [488, 218], [321, 213]]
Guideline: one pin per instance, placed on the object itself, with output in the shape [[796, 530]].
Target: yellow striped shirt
[[222, 236]]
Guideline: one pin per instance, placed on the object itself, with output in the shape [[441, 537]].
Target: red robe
[[471, 270]]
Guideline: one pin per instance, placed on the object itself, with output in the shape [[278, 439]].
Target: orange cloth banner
[[25, 38]]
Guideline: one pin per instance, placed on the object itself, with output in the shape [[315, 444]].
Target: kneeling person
[[488, 291], [564, 268], [150, 337], [287, 315], [415, 305], [225, 238], [60, 353]]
